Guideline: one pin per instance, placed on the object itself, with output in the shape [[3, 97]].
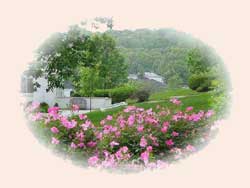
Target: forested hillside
[[163, 51]]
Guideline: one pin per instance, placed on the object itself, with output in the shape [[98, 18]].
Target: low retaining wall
[[65, 102], [96, 102]]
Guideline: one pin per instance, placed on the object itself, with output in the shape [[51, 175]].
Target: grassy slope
[[200, 101], [173, 92]]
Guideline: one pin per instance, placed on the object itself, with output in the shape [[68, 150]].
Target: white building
[[59, 96], [148, 75], [153, 76]]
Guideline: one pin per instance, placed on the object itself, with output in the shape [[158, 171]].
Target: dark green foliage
[[64, 54], [201, 82], [102, 93], [118, 94], [141, 94], [44, 107]]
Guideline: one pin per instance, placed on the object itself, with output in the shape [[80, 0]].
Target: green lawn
[[200, 101], [173, 92]]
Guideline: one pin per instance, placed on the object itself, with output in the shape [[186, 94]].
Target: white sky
[[223, 24]]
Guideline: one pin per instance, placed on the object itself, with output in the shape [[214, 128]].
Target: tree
[[64, 54], [61, 55]]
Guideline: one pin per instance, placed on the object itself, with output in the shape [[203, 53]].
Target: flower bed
[[135, 138]]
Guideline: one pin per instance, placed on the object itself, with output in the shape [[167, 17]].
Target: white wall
[[62, 97], [97, 102]]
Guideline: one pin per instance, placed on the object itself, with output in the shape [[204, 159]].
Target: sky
[[223, 24]]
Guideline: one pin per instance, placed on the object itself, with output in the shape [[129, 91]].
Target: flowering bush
[[133, 138]]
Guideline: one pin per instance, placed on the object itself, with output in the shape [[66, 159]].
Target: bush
[[121, 140], [118, 94], [122, 93], [102, 93], [141, 95], [201, 82], [44, 107]]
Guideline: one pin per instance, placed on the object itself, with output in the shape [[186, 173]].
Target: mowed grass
[[173, 92], [200, 101]]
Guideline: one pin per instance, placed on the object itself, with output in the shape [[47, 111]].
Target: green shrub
[[201, 82], [118, 94], [131, 101], [121, 93], [142, 94], [44, 107], [102, 93]]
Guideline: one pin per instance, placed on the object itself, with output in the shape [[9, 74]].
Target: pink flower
[[175, 101], [129, 109], [145, 156], [164, 129], [124, 149], [53, 110], [131, 120], [122, 123], [54, 141], [190, 108], [109, 117], [113, 143], [73, 145], [75, 107], [86, 125], [91, 144], [174, 134], [149, 148], [54, 130], [143, 142], [80, 145], [71, 124], [190, 148], [117, 133], [37, 116], [99, 135], [140, 128], [35, 105], [169, 142], [102, 122], [82, 116], [92, 161], [166, 123], [209, 113]]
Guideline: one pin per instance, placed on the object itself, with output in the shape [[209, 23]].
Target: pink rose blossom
[[190, 108], [209, 113], [113, 143], [75, 107], [73, 145], [174, 134], [91, 144], [149, 148], [145, 156], [54, 130], [82, 116], [37, 116], [190, 148], [92, 161], [140, 128], [54, 141], [169, 142], [131, 120], [53, 110], [143, 142], [109, 117], [80, 145], [175, 101], [164, 129]]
